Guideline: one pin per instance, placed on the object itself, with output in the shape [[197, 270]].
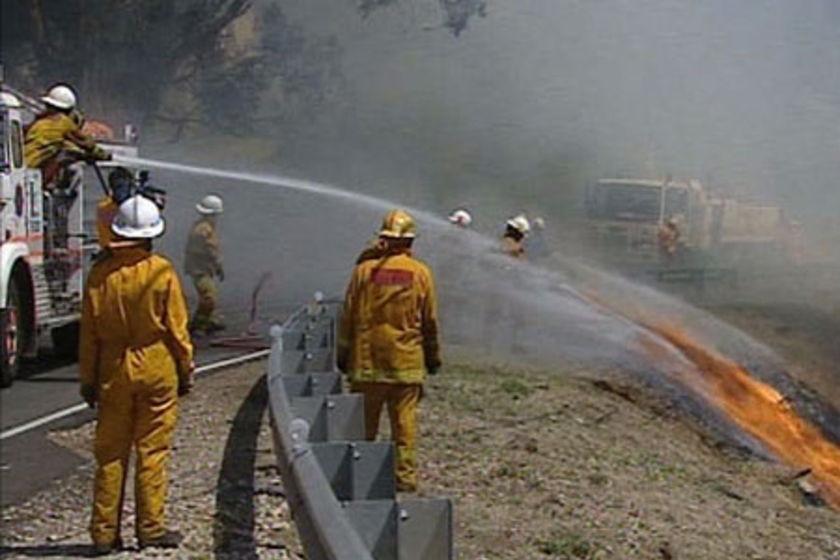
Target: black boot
[[106, 549], [170, 539]]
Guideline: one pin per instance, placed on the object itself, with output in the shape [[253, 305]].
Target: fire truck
[[46, 242], [624, 217]]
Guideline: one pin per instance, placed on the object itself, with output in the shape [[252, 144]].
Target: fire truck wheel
[[65, 340], [10, 336]]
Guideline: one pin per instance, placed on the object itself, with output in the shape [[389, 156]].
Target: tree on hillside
[[121, 53], [170, 61]]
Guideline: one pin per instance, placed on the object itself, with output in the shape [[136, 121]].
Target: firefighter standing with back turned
[[203, 262], [135, 360], [388, 338]]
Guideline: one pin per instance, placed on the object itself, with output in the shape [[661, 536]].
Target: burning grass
[[759, 410]]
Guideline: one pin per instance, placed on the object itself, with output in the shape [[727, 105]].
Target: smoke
[[517, 113], [543, 94]]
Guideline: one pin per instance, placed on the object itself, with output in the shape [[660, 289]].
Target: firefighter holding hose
[[388, 338], [55, 143], [516, 229]]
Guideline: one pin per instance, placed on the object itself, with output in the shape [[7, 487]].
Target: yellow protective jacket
[[51, 133], [202, 255], [106, 209], [389, 328], [134, 319]]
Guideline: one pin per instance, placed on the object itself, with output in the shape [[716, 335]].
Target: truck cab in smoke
[[623, 217]]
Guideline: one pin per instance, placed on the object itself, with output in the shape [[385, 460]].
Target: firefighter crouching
[[388, 338], [516, 229], [203, 262], [55, 143], [135, 360]]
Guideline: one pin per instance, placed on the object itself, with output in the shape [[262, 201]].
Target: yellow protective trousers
[[402, 400], [208, 294], [134, 412]]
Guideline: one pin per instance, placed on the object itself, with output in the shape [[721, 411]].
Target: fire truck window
[[676, 202], [17, 147]]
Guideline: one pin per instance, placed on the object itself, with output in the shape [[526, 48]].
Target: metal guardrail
[[340, 488]]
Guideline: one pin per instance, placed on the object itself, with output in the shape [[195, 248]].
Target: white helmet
[[520, 224], [460, 217], [210, 204], [138, 218], [539, 223], [60, 97]]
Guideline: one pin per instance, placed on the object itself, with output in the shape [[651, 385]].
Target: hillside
[[549, 463]]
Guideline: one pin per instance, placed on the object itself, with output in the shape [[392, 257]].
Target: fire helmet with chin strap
[[138, 218], [398, 224], [210, 205], [460, 217], [520, 224], [60, 96]]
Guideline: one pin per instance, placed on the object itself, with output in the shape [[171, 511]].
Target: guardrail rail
[[341, 489]]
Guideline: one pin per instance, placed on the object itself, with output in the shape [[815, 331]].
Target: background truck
[[624, 216], [46, 242]]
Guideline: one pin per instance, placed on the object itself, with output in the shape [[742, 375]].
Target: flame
[[757, 408]]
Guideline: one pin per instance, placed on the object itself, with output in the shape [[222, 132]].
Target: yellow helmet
[[398, 224]]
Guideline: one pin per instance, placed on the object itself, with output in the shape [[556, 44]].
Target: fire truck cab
[[44, 250]]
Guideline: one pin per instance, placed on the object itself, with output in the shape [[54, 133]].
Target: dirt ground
[[541, 464]]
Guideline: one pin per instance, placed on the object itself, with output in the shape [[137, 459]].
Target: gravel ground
[[539, 464], [225, 495]]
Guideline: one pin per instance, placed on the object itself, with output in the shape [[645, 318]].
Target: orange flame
[[759, 410]]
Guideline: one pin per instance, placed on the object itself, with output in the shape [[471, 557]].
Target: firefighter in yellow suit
[[120, 184], [54, 142], [516, 230], [388, 338], [203, 262], [135, 360]]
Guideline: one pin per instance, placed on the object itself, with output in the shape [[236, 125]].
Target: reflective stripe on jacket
[[202, 254], [134, 319], [389, 328]]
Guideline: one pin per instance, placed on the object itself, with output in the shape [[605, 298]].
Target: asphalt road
[[29, 460]]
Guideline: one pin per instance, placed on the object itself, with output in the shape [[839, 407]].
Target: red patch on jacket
[[392, 277]]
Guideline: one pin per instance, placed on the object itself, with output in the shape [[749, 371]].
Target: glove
[[98, 155], [185, 384], [186, 381], [89, 394]]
